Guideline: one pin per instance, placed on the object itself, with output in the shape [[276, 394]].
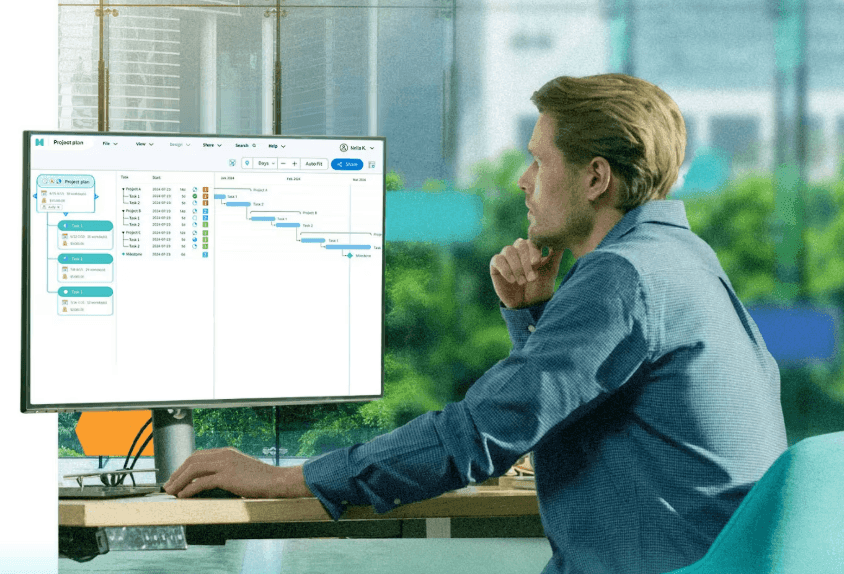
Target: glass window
[[526, 125], [448, 84], [314, 69], [738, 136], [691, 138]]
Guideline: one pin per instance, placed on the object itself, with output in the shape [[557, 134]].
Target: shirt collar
[[663, 211]]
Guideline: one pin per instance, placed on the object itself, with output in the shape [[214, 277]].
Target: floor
[[324, 556]]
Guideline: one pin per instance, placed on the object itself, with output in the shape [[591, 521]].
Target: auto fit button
[[314, 163]]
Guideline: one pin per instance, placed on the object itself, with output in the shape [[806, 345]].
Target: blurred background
[[448, 82]]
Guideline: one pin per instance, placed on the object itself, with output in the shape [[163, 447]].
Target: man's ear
[[600, 183]]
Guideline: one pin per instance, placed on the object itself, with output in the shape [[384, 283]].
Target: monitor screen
[[172, 270]]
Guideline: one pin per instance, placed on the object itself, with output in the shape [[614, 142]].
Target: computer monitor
[[183, 271]]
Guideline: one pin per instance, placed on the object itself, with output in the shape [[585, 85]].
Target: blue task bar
[[348, 247], [313, 240], [219, 196], [263, 218], [238, 203], [288, 224]]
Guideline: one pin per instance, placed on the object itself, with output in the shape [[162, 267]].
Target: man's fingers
[[198, 485], [188, 472], [500, 265], [516, 260], [528, 257], [182, 468], [522, 249], [213, 455], [535, 253]]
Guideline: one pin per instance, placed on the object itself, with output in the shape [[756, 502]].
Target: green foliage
[[241, 428], [69, 452], [825, 241], [342, 427], [68, 441], [393, 181], [736, 223]]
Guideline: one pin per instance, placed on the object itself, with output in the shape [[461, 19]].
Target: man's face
[[560, 215]]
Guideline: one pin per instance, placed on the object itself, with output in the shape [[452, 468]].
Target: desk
[[485, 511]]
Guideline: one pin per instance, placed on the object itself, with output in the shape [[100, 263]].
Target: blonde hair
[[631, 123]]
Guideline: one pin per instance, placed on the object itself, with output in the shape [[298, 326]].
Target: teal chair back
[[791, 521]]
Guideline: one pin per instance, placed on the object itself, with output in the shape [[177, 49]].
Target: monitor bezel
[[28, 407]]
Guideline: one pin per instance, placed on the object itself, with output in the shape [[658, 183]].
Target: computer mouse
[[215, 493]]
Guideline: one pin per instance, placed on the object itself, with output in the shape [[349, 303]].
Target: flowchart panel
[[175, 269]]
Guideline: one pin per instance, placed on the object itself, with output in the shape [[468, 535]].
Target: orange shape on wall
[[110, 433]]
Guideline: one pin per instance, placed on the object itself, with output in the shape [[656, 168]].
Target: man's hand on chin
[[231, 470]]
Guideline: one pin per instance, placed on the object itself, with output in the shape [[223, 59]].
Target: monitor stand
[[174, 440]]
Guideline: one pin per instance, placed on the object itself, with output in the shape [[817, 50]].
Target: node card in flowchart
[[85, 268], [58, 193], [83, 234], [76, 301]]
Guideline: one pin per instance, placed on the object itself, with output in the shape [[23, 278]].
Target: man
[[642, 385]]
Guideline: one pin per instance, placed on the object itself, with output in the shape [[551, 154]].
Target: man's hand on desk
[[231, 470]]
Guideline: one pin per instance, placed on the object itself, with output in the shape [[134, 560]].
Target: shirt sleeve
[[521, 323], [590, 339]]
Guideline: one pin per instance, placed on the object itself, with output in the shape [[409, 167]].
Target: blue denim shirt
[[642, 386]]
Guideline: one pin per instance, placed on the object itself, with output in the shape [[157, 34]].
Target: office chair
[[791, 521]]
